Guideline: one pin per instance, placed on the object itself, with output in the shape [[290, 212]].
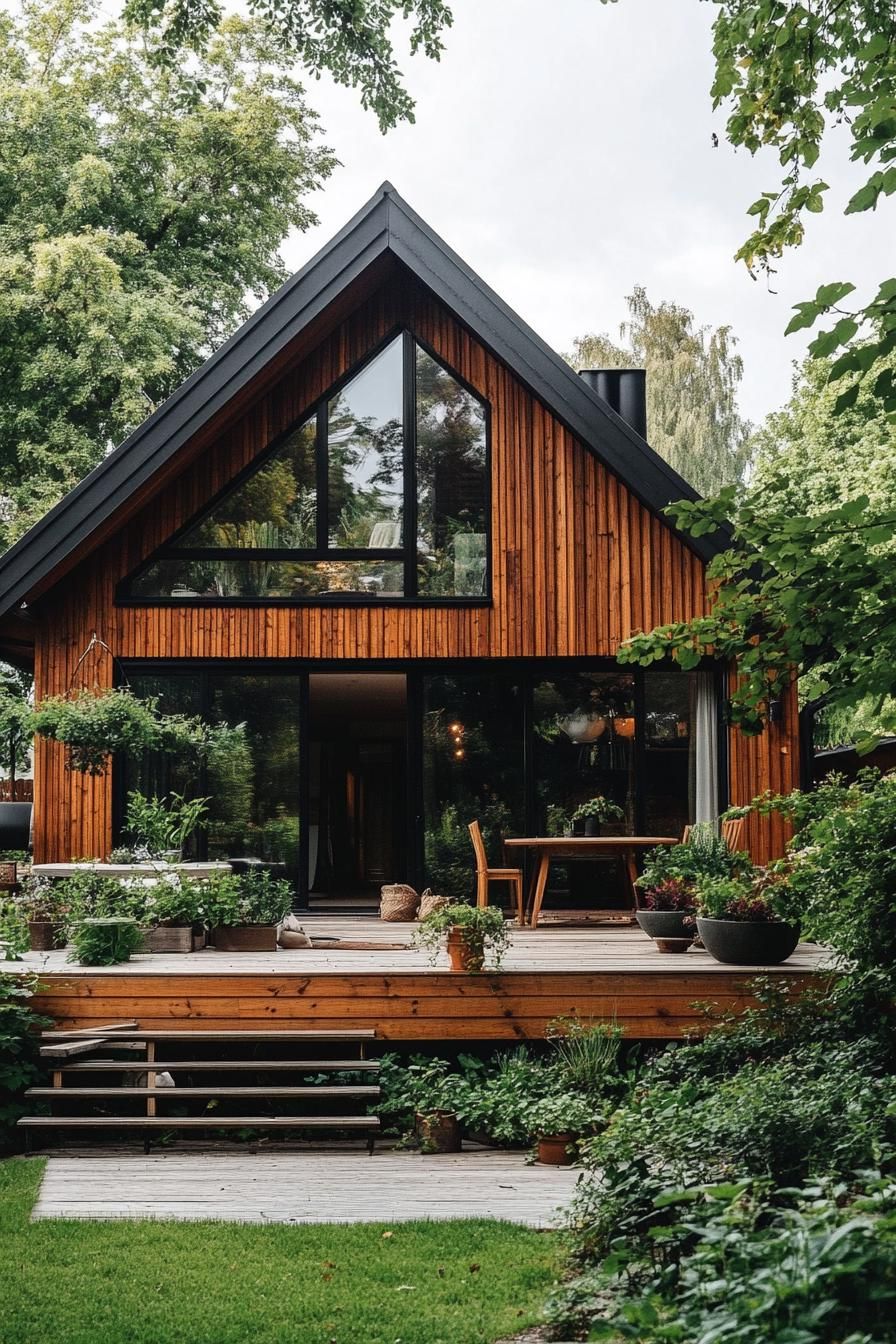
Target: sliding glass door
[[346, 777]]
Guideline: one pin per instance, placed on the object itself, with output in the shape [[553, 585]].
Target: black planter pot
[[592, 827], [666, 924], [578, 827], [742, 943]]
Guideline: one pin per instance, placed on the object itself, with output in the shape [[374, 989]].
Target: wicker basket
[[398, 902], [429, 903]]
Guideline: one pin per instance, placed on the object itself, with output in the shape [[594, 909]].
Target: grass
[[76, 1282]]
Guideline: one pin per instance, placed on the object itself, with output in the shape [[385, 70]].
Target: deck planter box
[[44, 934], [245, 937], [170, 938], [438, 1131], [740, 942], [668, 928]]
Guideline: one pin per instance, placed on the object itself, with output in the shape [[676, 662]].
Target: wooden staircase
[[98, 1084]]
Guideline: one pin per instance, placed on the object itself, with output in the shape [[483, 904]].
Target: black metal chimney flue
[[625, 390]]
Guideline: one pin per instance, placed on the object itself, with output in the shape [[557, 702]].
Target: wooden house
[[394, 535]]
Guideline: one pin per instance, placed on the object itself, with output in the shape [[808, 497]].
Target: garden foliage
[[744, 1191]]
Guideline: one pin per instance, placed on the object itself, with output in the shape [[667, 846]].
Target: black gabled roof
[[385, 226]]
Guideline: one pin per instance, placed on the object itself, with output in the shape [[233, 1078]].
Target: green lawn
[[215, 1283]]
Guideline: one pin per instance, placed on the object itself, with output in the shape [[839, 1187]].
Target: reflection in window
[[212, 579], [472, 770], [669, 751], [251, 778], [451, 484], [274, 507], [404, 475], [365, 456], [584, 725]]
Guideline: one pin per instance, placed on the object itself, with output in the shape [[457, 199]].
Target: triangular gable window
[[381, 493]]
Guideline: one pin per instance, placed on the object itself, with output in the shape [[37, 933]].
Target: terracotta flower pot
[[44, 934], [554, 1150], [460, 954], [740, 942], [438, 1131], [245, 937]]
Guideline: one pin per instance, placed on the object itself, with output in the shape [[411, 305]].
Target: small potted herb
[[243, 912], [471, 934], [557, 1121], [668, 914], [741, 919], [587, 818], [45, 910]]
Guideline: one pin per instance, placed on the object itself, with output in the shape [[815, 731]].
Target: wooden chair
[[486, 875], [733, 833]]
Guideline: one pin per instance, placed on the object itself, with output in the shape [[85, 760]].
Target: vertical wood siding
[[578, 563]]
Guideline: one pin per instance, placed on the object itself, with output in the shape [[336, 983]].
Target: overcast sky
[[563, 148]]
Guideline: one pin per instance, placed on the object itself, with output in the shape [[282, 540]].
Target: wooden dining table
[[548, 849]]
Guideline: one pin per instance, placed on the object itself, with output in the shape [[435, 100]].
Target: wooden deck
[[306, 1187], [606, 973]]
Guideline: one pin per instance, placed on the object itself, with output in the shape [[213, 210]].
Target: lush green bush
[[105, 942], [18, 1049], [159, 825], [737, 1269], [704, 855], [251, 898], [501, 1099]]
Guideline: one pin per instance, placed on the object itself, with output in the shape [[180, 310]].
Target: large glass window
[[380, 493], [473, 770], [252, 777]]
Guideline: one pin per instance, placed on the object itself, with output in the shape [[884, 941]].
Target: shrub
[[671, 894], [162, 824], [252, 898], [705, 855], [105, 942], [820, 1270], [18, 1049]]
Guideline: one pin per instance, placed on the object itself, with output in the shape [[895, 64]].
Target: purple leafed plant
[[671, 894]]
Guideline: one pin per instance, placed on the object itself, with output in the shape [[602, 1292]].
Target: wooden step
[[223, 1065], [357, 1034], [200, 1122], [173, 1093]]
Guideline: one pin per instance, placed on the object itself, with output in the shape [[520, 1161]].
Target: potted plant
[[243, 912], [94, 724], [588, 816], [45, 910], [740, 919], [668, 914], [557, 1121], [472, 934], [105, 941], [171, 910], [160, 827]]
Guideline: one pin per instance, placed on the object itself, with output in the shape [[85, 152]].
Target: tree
[[16, 731], [805, 586], [788, 72], [693, 375], [141, 209], [349, 39]]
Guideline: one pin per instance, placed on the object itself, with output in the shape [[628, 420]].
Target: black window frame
[[406, 554], [525, 670]]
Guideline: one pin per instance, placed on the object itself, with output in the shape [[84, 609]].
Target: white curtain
[[706, 748]]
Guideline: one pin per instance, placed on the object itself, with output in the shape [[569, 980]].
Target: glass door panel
[[473, 768]]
